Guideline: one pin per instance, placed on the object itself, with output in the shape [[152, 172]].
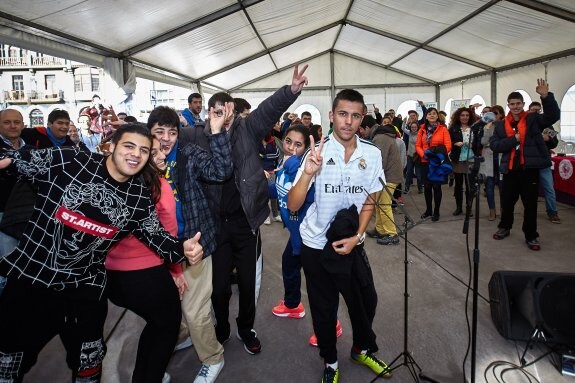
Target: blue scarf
[[55, 141], [429, 130], [170, 175]]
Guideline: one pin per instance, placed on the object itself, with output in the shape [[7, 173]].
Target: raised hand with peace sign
[[298, 79], [314, 159]]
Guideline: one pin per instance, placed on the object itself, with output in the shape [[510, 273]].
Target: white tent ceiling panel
[[305, 48], [110, 23], [36, 9], [412, 19], [278, 20], [433, 66], [207, 48], [508, 33], [349, 71], [204, 43], [317, 72], [243, 73], [369, 45]]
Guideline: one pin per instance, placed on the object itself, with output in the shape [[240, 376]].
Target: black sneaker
[[533, 244], [373, 234], [501, 233], [388, 240], [330, 375], [223, 336], [252, 344]]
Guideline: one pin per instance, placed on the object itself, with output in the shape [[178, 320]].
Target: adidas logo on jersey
[[330, 162]]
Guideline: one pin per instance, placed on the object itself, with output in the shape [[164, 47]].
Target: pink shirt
[[131, 254]]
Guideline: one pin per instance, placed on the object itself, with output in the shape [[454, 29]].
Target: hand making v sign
[[314, 158], [298, 79]]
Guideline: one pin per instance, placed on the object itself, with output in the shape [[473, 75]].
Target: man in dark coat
[[524, 152]]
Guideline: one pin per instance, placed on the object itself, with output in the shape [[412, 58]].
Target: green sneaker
[[373, 362], [330, 375]]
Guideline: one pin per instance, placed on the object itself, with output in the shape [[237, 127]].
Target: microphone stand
[[408, 360], [476, 178]]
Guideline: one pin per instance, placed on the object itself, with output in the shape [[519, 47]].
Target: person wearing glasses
[[520, 141]]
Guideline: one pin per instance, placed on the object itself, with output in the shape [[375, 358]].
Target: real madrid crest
[[362, 164]]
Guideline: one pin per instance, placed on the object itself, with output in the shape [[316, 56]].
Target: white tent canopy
[[430, 50]]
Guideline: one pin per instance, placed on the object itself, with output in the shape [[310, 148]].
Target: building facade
[[35, 84]]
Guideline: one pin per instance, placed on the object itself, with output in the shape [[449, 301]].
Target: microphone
[[484, 120]]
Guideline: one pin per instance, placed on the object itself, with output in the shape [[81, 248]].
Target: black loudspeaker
[[523, 301]]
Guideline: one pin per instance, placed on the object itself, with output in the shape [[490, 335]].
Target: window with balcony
[[18, 87], [50, 84]]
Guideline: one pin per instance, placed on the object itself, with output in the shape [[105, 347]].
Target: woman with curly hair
[[461, 153]]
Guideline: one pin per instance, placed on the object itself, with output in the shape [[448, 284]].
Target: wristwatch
[[361, 238]]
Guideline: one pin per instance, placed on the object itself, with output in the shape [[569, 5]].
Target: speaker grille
[[556, 301]]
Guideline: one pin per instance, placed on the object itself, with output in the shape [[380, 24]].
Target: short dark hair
[[300, 129], [368, 121], [306, 113], [412, 111], [286, 115], [124, 113], [130, 119], [58, 114], [350, 95], [535, 103], [192, 96], [241, 104], [221, 98], [163, 116], [94, 96], [137, 128], [515, 96], [149, 174]]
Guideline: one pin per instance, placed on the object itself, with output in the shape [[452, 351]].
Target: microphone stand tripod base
[[408, 360]]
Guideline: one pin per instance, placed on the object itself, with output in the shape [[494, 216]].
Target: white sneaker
[[166, 378], [184, 344], [277, 218], [268, 221], [209, 372]]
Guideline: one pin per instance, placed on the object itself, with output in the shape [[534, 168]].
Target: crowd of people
[[164, 216]]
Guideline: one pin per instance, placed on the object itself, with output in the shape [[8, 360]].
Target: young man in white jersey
[[346, 171]]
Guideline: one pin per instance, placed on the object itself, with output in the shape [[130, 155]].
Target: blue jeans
[[291, 272], [7, 245], [546, 181], [411, 169], [490, 191]]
